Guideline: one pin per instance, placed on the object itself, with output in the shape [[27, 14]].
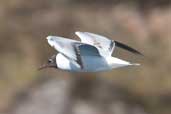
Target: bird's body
[[91, 64], [92, 54]]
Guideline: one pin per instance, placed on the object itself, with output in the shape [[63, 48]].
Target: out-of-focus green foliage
[[23, 47]]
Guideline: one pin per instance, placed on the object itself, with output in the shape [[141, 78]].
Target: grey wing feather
[[88, 50], [84, 50]]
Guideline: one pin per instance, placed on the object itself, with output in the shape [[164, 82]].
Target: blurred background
[[142, 24]]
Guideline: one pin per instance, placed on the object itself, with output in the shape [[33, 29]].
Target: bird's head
[[51, 63]]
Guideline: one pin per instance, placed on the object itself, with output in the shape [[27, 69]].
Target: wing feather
[[128, 48], [103, 44]]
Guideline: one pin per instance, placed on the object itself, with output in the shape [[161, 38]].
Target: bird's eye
[[50, 60]]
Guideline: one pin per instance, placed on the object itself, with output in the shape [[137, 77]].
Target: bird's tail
[[135, 64]]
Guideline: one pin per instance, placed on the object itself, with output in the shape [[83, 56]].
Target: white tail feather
[[135, 64]]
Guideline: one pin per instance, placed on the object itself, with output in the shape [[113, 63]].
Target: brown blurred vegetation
[[143, 24]]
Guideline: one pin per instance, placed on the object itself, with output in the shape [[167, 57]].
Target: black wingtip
[[128, 48]]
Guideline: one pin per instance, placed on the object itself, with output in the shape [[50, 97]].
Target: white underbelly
[[90, 64]]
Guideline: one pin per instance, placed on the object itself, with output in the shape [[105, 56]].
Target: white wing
[[104, 45], [62, 45], [72, 49]]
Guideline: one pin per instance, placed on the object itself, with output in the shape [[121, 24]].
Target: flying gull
[[92, 54]]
